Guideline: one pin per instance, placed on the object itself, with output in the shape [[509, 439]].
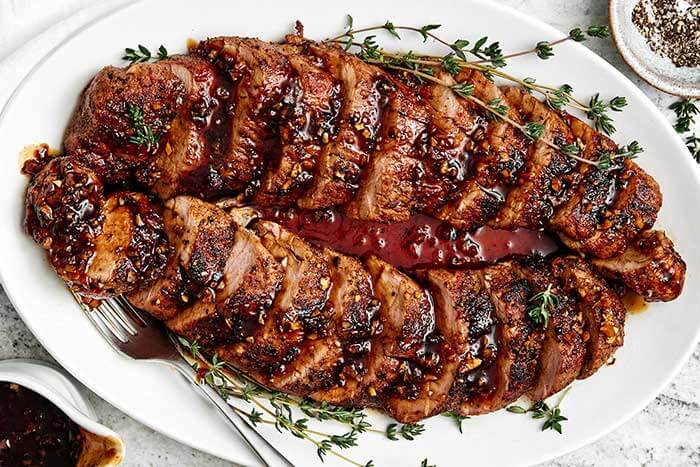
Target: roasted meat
[[266, 130]]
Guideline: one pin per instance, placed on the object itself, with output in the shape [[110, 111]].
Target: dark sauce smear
[[421, 241], [34, 432]]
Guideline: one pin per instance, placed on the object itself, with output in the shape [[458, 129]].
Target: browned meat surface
[[101, 245], [344, 157], [197, 134], [307, 122], [262, 76], [543, 185], [563, 347], [603, 312], [387, 191], [103, 122], [650, 266], [637, 201], [202, 238]]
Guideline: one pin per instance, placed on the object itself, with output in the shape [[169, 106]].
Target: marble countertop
[[667, 432]]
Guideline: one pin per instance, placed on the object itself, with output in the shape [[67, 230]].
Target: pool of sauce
[[634, 303], [34, 432], [421, 241]]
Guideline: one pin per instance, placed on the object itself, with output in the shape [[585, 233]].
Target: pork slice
[[500, 147], [344, 157], [307, 122], [298, 314], [449, 149], [261, 76], [202, 237], [354, 308], [388, 190], [547, 179], [181, 165], [603, 312], [563, 347], [579, 217], [408, 358], [238, 303], [519, 338], [650, 266], [636, 203], [103, 122]]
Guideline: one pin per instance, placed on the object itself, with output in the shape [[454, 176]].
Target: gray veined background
[[667, 432]]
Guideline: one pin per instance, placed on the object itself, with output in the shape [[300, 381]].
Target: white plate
[[658, 340]]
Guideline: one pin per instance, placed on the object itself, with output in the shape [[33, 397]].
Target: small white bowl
[[656, 70], [102, 446]]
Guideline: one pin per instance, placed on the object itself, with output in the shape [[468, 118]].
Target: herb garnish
[[491, 59], [541, 304], [143, 135], [143, 54], [686, 110], [424, 463], [541, 410], [458, 419], [276, 408]]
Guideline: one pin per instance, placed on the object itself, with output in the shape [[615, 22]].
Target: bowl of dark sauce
[[46, 421]]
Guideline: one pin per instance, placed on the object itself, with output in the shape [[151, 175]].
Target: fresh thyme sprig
[[228, 382], [143, 135], [408, 431], [686, 111], [541, 410], [143, 54], [491, 59], [541, 304], [607, 161], [424, 463], [458, 419]]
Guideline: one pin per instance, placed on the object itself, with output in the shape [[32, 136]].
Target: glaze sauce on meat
[[421, 241], [34, 432]]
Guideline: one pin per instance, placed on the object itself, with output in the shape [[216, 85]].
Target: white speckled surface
[[667, 432]]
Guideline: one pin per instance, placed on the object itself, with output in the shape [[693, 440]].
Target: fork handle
[[267, 453]]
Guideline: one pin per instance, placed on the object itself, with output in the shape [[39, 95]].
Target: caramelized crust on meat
[[103, 122], [650, 266], [344, 157], [307, 122], [262, 76], [387, 192], [603, 312]]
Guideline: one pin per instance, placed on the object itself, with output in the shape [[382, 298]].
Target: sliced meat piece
[[450, 148], [465, 317], [131, 247], [650, 266], [307, 122], [331, 354], [238, 303], [262, 76], [545, 183], [387, 191], [579, 217], [449, 190], [197, 134], [354, 310], [603, 312], [342, 160], [563, 348], [104, 119], [408, 358], [501, 147], [202, 236], [519, 338], [299, 312], [636, 203]]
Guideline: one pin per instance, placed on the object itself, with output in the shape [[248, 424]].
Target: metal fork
[[137, 335]]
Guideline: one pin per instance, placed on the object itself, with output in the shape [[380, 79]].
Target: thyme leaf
[[542, 411], [143, 54], [541, 304], [143, 134], [458, 419]]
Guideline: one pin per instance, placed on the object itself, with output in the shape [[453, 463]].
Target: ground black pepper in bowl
[[34, 432], [671, 29]]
